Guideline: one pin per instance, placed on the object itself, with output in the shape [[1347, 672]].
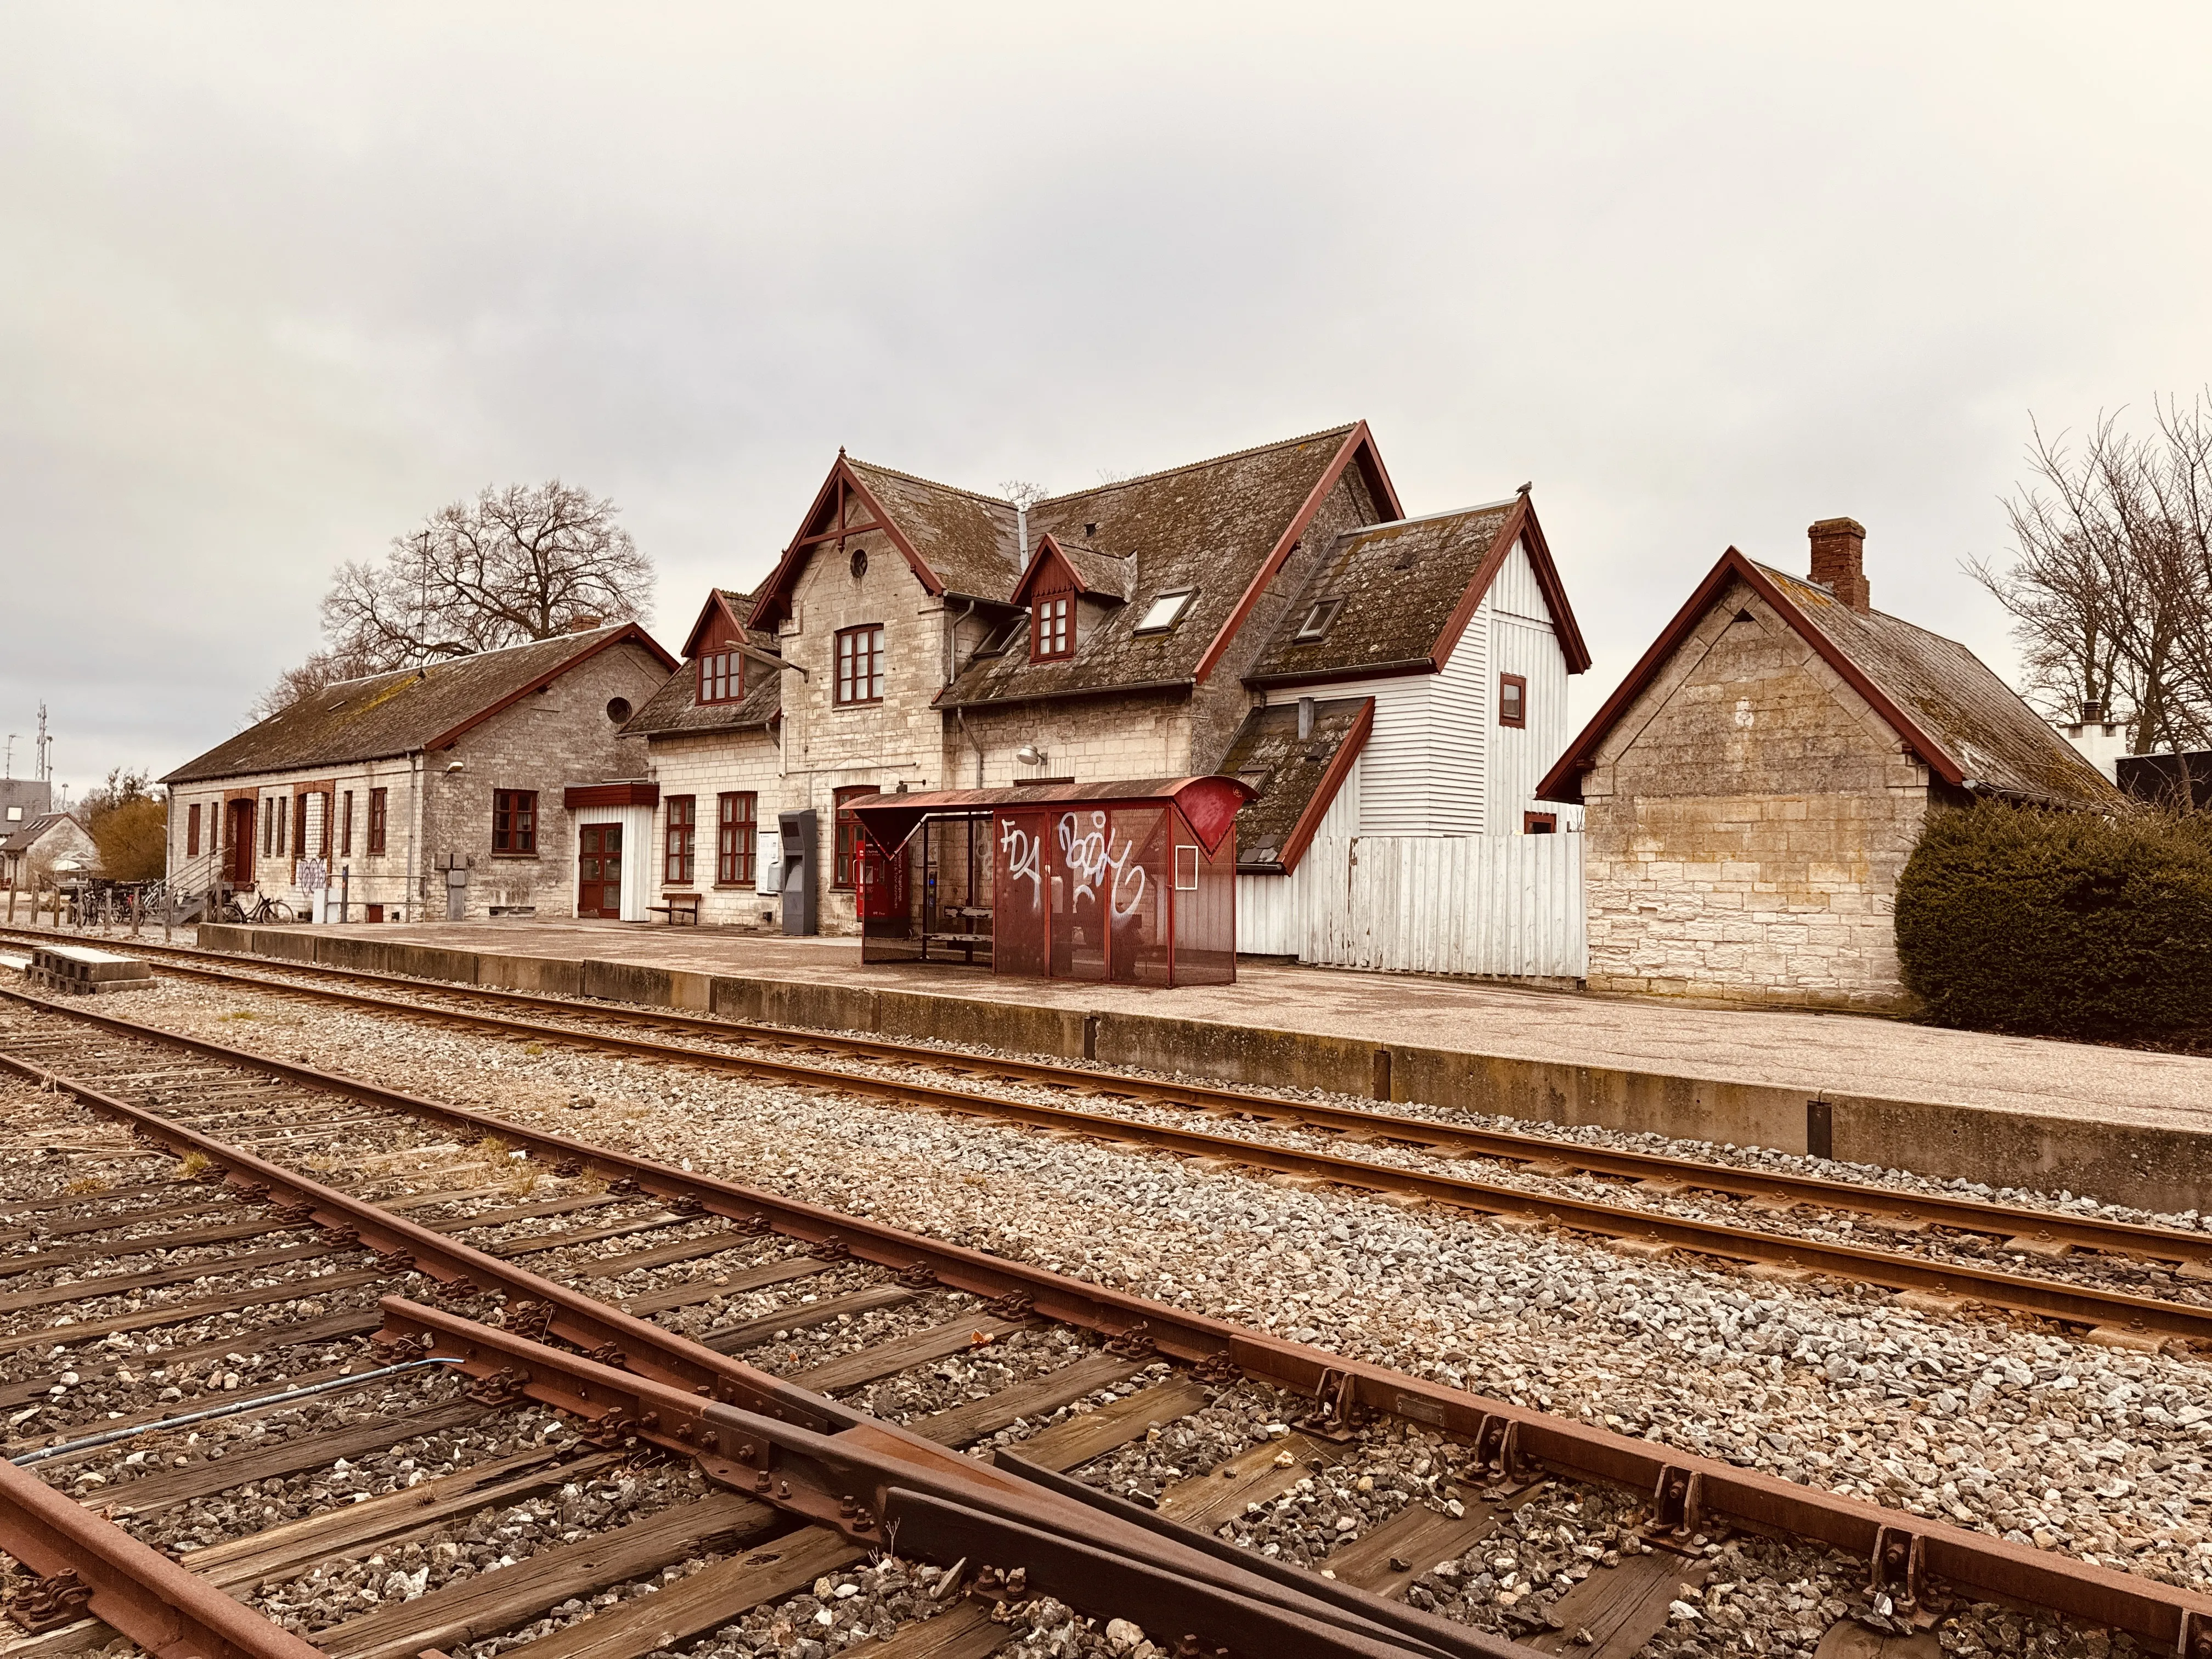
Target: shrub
[[2066, 924]]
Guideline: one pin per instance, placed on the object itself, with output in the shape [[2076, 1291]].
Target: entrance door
[[598, 871], [239, 870]]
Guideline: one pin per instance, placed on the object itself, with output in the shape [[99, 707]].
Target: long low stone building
[[458, 789], [1753, 790]]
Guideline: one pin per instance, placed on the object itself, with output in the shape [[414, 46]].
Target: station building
[[1272, 614], [463, 788]]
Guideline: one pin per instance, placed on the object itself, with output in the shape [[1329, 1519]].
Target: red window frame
[[1539, 823], [735, 826], [298, 826], [1518, 685], [514, 823], [860, 664], [722, 675], [1051, 628], [192, 830], [345, 827], [380, 814], [845, 873], [679, 840]]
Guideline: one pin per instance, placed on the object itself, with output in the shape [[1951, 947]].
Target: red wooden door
[[240, 865], [598, 871]]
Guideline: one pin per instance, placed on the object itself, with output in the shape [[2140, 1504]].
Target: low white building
[[464, 788]]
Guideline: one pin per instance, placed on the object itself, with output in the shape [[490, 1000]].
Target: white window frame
[[1178, 600]]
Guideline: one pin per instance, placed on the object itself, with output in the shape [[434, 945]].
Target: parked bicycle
[[266, 909]]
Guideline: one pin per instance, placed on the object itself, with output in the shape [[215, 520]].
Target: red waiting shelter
[[1134, 881]]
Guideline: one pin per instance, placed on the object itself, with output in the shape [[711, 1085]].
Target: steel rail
[[1685, 1487], [2047, 1228], [87, 1565], [866, 1481], [2115, 1311], [1222, 1597]]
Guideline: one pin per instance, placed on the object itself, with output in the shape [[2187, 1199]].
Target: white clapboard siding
[[1498, 906], [1269, 907], [1523, 641]]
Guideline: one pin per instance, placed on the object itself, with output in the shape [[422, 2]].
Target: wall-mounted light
[[452, 767], [1030, 755]]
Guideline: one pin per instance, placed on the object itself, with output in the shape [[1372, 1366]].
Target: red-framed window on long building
[[681, 839], [734, 829]]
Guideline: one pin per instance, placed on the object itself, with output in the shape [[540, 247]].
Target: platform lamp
[[1030, 755]]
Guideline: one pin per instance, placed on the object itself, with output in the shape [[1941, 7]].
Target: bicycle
[[266, 910]]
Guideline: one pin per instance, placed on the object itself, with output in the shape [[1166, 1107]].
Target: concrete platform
[[2121, 1125]]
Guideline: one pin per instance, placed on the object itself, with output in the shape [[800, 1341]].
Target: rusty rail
[[2046, 1227], [89, 1566], [2044, 1298], [1685, 1488]]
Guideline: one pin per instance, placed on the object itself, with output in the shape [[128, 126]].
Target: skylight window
[[1165, 611], [1317, 621]]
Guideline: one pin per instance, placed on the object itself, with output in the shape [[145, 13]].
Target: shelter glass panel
[[1075, 866], [1137, 895], [1019, 921]]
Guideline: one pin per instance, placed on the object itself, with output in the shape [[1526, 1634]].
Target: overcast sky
[[277, 283]]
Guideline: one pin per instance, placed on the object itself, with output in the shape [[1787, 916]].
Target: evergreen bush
[[2063, 924]]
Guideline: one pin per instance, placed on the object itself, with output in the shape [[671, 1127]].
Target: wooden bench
[[680, 905]]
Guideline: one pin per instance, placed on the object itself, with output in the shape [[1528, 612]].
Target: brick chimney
[[1839, 560]]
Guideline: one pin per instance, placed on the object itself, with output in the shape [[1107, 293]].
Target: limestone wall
[[1748, 818]]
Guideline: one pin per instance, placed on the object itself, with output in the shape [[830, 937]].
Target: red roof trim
[[1564, 624], [1501, 549], [716, 600], [632, 793], [1359, 444], [1563, 782], [630, 631], [1324, 794], [775, 599], [1047, 555]]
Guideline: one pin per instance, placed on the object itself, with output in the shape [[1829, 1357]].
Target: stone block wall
[[546, 741], [1748, 818], [705, 767], [1141, 735]]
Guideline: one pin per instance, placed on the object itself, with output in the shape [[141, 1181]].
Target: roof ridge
[[472, 656], [932, 484], [1430, 517], [1871, 610], [1190, 466]]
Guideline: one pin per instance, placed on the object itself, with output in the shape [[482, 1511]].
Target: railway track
[[878, 1350], [2126, 1284]]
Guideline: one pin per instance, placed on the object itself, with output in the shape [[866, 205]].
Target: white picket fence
[[1507, 906]]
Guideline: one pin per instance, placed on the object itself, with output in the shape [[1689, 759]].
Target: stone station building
[[1753, 790], [460, 789], [1272, 614]]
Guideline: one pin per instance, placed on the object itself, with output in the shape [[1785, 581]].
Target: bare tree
[[2110, 588], [520, 564]]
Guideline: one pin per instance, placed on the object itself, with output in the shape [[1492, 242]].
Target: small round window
[[860, 563], [617, 709]]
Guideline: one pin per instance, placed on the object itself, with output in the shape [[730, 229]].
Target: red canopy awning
[[1209, 804]]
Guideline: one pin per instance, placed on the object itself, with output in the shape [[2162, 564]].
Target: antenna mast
[[46, 748]]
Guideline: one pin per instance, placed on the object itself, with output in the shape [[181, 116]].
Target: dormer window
[[1165, 611], [722, 675], [1317, 621], [1051, 628]]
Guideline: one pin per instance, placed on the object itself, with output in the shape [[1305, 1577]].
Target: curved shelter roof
[[1209, 804]]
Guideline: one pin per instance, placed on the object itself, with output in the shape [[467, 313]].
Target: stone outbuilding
[[464, 788], [31, 847], [1753, 790]]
